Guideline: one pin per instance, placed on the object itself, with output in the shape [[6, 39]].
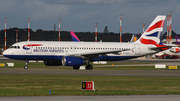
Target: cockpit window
[[15, 47], [12, 47]]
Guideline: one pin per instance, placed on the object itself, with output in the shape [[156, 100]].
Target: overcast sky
[[81, 15]]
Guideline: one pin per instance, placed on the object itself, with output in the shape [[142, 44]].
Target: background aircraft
[[134, 38], [74, 37], [171, 53]]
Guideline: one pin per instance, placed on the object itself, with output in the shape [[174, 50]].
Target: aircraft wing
[[96, 54]]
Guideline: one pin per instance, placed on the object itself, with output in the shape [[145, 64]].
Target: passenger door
[[28, 48], [137, 49]]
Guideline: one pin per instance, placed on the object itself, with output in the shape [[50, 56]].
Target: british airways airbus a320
[[82, 53]]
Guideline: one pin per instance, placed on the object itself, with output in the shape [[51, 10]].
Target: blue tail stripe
[[153, 34]]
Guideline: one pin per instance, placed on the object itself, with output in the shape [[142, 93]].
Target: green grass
[[39, 85]]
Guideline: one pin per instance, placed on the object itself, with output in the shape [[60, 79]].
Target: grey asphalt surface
[[96, 98], [151, 62], [164, 73]]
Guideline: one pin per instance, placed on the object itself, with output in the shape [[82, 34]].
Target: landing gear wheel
[[89, 67], [76, 67], [25, 67]]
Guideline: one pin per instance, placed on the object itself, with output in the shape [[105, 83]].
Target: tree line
[[42, 35]]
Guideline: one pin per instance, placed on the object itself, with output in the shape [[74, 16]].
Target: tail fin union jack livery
[[153, 33]]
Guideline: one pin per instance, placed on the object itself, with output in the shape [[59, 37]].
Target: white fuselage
[[48, 50]]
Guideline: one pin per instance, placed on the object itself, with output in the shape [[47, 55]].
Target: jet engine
[[175, 49], [74, 61]]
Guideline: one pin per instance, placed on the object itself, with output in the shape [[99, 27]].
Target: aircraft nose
[[7, 52]]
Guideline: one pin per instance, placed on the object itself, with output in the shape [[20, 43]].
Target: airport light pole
[[16, 36], [120, 27], [170, 26], [59, 29], [167, 28], [143, 27], [96, 32], [5, 35], [28, 29]]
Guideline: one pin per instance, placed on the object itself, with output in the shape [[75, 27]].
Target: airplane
[[74, 37], [177, 40], [133, 38], [174, 50], [55, 53]]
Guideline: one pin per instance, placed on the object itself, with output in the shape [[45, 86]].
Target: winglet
[[74, 37]]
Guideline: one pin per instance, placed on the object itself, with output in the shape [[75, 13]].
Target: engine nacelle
[[52, 63], [175, 50], [74, 61]]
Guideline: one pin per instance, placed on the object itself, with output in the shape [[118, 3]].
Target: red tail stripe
[[156, 25], [147, 41]]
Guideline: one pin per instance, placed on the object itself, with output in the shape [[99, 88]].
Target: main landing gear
[[26, 66], [88, 67]]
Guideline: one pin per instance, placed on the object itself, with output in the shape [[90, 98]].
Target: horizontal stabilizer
[[163, 47]]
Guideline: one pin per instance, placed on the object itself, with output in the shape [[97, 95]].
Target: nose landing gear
[[26, 66]]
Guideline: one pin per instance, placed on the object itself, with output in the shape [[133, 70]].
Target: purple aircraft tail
[[177, 40], [74, 37]]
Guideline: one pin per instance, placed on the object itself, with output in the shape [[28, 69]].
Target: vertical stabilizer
[[74, 37], [152, 35], [177, 40]]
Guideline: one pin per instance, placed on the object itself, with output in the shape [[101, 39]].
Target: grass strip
[[39, 85]]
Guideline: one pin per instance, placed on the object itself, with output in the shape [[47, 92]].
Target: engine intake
[[175, 50]]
